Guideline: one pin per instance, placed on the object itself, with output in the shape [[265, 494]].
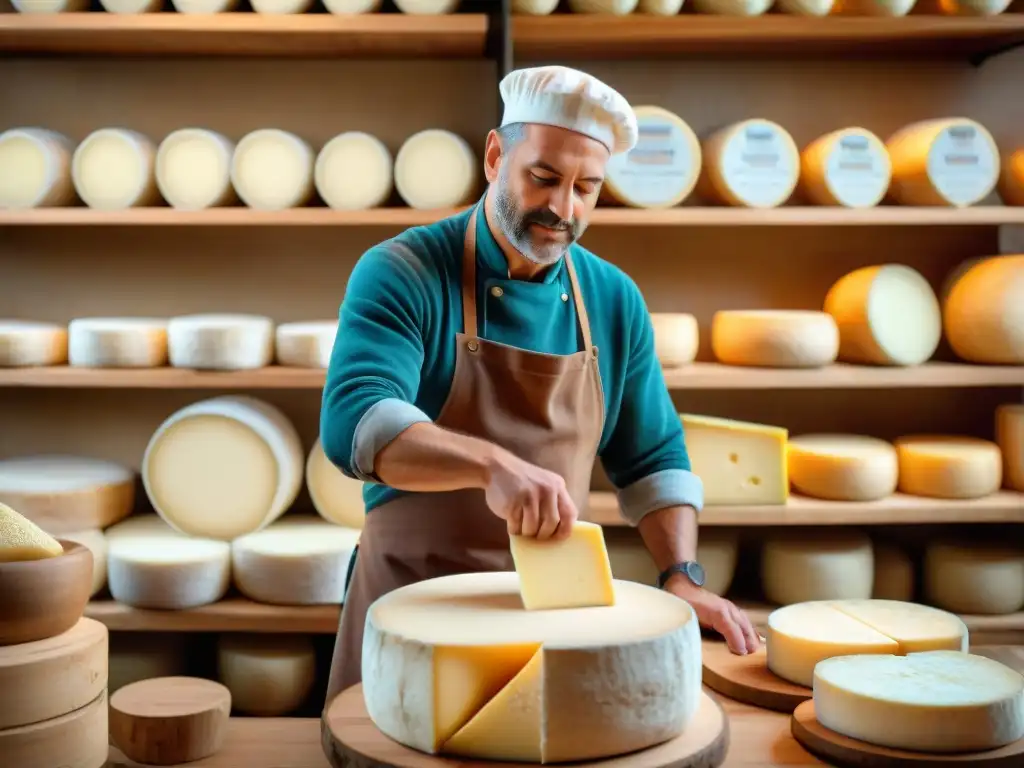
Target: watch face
[[695, 573]]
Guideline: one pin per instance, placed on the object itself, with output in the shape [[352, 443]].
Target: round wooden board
[[747, 679], [351, 740], [853, 753]]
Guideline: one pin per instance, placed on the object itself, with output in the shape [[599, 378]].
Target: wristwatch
[[691, 569]]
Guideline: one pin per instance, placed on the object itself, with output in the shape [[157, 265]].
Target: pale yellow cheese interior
[[21, 539], [573, 572]]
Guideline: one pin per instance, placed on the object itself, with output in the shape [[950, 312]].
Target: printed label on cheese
[[760, 164], [962, 164], [849, 167]]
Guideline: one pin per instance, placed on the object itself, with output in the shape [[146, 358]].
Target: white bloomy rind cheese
[[894, 573], [1010, 439], [299, 560], [937, 702], [24, 344], [774, 338], [268, 675], [273, 170], [193, 169], [117, 342], [436, 169], [457, 665], [843, 467], [336, 497], [615, 7], [949, 466], [305, 345], [753, 163], [849, 168], [662, 169], [1011, 177], [983, 311], [220, 342], [354, 171], [827, 564], [975, 578], [676, 338], [115, 168], [223, 467], [35, 169], [887, 315]]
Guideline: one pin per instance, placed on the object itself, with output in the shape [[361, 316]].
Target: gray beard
[[515, 225]]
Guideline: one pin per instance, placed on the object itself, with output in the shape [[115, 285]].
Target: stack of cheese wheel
[[193, 169], [26, 344], [272, 170], [220, 342], [268, 675], [117, 342], [1010, 438], [949, 466], [35, 169], [115, 168], [676, 338], [436, 169], [774, 338], [849, 167], [842, 467], [336, 497], [305, 345], [817, 564], [975, 577], [752, 163], [983, 311], [354, 171], [717, 552]]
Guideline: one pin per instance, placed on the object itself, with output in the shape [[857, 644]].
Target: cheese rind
[[117, 342], [24, 344], [21, 539], [983, 311], [774, 338], [848, 167], [193, 168], [676, 338], [753, 163], [572, 572], [305, 345], [974, 578], [798, 567], [436, 169], [114, 168], [35, 169], [1010, 439], [842, 467], [336, 497], [272, 170], [268, 675], [354, 171], [220, 342], [949, 466]]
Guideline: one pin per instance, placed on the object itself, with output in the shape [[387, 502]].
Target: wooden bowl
[[40, 599]]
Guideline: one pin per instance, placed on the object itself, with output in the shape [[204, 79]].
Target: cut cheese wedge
[[24, 344], [828, 564], [572, 572], [220, 342], [272, 170], [35, 169], [843, 467], [753, 163], [774, 338], [975, 577], [336, 497], [983, 311], [268, 675], [436, 169], [676, 338], [354, 171], [849, 168], [114, 168], [193, 168], [305, 345], [949, 466], [117, 342], [21, 539], [1010, 438]]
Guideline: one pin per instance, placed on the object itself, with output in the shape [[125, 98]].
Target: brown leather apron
[[545, 409]]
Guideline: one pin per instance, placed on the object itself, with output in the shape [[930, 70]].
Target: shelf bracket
[[499, 42], [981, 57]]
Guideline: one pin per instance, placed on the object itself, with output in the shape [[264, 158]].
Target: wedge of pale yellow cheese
[[573, 572], [21, 539]]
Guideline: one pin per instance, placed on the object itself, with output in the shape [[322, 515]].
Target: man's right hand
[[533, 501]]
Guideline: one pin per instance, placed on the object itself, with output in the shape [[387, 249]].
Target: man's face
[[548, 183]]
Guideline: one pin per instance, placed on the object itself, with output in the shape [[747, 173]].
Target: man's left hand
[[717, 613]]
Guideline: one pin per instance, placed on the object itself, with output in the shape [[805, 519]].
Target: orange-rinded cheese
[[752, 163], [1011, 177], [949, 466], [842, 467], [774, 338], [983, 311], [1010, 438], [848, 167]]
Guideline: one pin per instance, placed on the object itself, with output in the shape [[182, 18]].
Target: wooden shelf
[[230, 615]]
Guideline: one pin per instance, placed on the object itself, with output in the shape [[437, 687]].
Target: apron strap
[[581, 310]]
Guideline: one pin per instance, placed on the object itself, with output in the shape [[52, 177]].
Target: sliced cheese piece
[[132, 6], [571, 572], [427, 7], [436, 169], [944, 162], [305, 345], [974, 578], [78, 738], [849, 167], [662, 169], [272, 170], [347, 7], [193, 167], [220, 342], [24, 344], [35, 169], [738, 462], [117, 342], [938, 702], [717, 552], [298, 560], [1011, 177], [354, 171], [114, 168], [281, 7], [96, 542], [642, 652], [843, 467], [660, 7], [732, 7], [894, 574], [21, 539], [963, 7], [336, 497], [886, 314], [223, 467], [534, 7], [983, 311], [268, 675], [136, 656], [915, 627], [884, 8], [949, 466], [753, 163], [676, 338], [61, 494], [1010, 439], [825, 564], [613, 7], [774, 338], [806, 7]]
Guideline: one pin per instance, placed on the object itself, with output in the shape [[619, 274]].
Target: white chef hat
[[569, 99]]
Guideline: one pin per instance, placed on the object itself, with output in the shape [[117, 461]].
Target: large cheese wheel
[[281, 7], [886, 314], [949, 466], [826, 564], [50, 6], [983, 311], [676, 338], [35, 169], [61, 494], [436, 169], [1010, 439], [298, 560], [614, 7], [717, 552], [842, 467], [24, 344], [975, 578], [223, 467], [114, 168], [886, 8], [78, 738], [268, 675], [117, 342], [801, 635], [732, 7], [774, 338], [753, 163], [273, 170], [220, 342], [132, 6], [305, 345], [662, 169], [806, 7], [336, 497], [96, 542], [894, 573], [849, 167], [427, 7], [944, 162], [452, 663], [1011, 177], [193, 169], [354, 171], [136, 656]]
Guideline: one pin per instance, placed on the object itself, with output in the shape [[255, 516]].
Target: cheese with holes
[[534, 7], [281, 7], [298, 560], [843, 467], [660, 7], [96, 543], [676, 338], [774, 338], [117, 342], [1010, 439], [136, 656], [983, 311], [193, 169], [223, 467], [437, 653], [220, 342], [662, 169], [975, 577], [944, 162], [436, 169], [272, 170], [732, 7], [336, 497], [571, 572], [114, 168], [849, 167], [738, 462], [964, 7], [753, 163], [806, 7], [305, 345], [268, 675], [717, 552], [949, 466], [938, 702], [78, 738], [886, 314], [894, 573], [826, 564], [67, 493], [1011, 177], [35, 169], [24, 344], [615, 7], [801, 635], [884, 8], [354, 171], [21, 539], [132, 6]]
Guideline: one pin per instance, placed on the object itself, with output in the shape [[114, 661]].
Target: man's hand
[[719, 614], [533, 501]]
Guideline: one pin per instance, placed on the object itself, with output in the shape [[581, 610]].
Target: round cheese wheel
[[78, 738], [885, 8], [753, 163], [662, 169], [894, 573], [305, 345], [826, 564], [1011, 178], [848, 168], [806, 7], [272, 170], [717, 552], [96, 542], [281, 7], [220, 342], [223, 467], [983, 311], [117, 342], [949, 467], [974, 578], [733, 7], [50, 6], [774, 338], [193, 169], [354, 171], [886, 314], [964, 7], [427, 7], [347, 7], [132, 6], [944, 162], [114, 168], [1010, 439], [336, 497], [268, 675], [615, 7], [136, 656], [463, 644], [35, 169], [24, 344], [676, 338], [842, 467], [436, 169]]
